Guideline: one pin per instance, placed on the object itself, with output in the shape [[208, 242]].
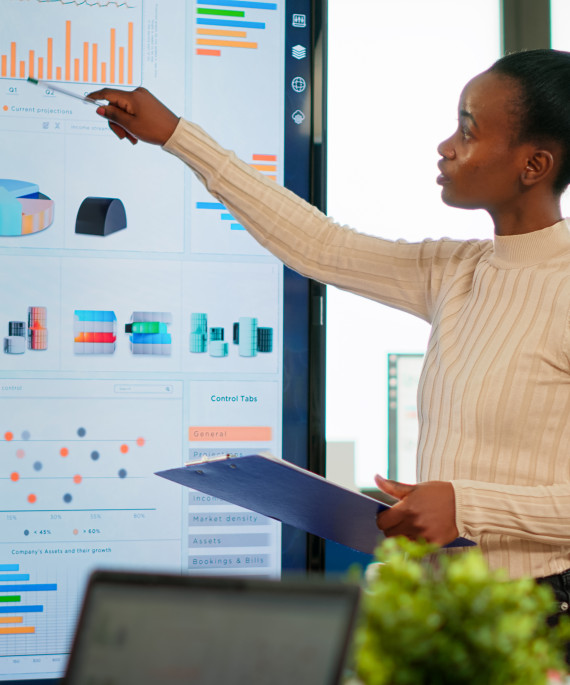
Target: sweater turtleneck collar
[[513, 251]]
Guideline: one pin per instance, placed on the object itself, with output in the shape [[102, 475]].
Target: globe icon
[[298, 84]]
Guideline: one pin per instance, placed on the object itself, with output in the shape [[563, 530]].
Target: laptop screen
[[143, 629]]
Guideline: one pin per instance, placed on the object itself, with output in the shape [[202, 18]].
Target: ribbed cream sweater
[[494, 395]]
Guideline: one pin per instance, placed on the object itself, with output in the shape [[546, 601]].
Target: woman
[[494, 396]]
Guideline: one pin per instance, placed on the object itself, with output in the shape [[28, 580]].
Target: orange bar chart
[[18, 630], [105, 51], [216, 42], [268, 165], [221, 32]]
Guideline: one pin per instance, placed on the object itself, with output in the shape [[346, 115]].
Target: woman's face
[[481, 166]]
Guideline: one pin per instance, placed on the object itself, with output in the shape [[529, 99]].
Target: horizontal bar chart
[[220, 13], [233, 15], [239, 3], [221, 32], [267, 164], [18, 630], [225, 43], [209, 205], [12, 610], [229, 22], [32, 587], [29, 609]]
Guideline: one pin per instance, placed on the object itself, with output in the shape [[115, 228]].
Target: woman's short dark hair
[[544, 106]]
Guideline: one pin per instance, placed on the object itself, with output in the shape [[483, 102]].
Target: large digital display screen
[[140, 325]]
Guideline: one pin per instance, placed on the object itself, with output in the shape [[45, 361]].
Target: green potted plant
[[453, 622]]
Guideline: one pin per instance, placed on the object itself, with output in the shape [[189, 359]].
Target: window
[[396, 69]]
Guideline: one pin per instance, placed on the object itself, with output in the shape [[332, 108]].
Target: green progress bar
[[224, 13], [11, 598]]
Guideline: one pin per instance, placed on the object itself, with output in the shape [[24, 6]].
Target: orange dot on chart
[[64, 452], [5, 108], [20, 454], [140, 442], [32, 498], [77, 478], [124, 449], [8, 435], [75, 531], [15, 476]]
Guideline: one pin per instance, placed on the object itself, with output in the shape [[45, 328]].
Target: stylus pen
[[63, 91]]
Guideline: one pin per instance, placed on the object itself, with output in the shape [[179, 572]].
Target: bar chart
[[74, 42], [15, 610], [266, 164], [225, 23]]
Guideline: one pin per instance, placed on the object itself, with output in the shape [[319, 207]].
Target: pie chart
[[23, 209]]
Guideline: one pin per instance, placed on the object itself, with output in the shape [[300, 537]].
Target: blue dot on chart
[[81, 432], [26, 532], [122, 473], [67, 498], [38, 466], [26, 435], [95, 455]]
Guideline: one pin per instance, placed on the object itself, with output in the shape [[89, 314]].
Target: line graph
[[89, 3]]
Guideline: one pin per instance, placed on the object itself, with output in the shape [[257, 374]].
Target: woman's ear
[[539, 166]]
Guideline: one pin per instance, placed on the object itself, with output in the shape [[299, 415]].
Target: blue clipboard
[[290, 494]]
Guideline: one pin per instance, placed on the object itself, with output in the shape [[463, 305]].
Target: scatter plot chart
[[80, 456], [78, 492], [50, 470]]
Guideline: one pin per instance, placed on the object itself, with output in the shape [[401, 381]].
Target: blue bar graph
[[229, 22], [14, 576], [209, 205], [9, 567], [30, 609], [224, 216], [28, 588]]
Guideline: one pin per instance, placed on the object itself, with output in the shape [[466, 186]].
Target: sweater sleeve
[[538, 513], [406, 276]]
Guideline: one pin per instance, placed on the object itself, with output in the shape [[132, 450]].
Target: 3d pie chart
[[23, 209]]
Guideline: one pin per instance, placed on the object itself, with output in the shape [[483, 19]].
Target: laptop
[[149, 629]]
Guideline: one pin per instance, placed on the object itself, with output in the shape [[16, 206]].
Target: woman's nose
[[446, 149]]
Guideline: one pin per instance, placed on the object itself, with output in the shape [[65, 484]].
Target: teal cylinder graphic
[[247, 336]]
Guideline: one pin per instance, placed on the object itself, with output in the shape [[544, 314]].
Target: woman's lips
[[442, 179]]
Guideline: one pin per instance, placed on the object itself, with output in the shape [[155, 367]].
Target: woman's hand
[[425, 511], [136, 115]]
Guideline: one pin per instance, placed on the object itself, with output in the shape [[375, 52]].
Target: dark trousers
[[560, 583]]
